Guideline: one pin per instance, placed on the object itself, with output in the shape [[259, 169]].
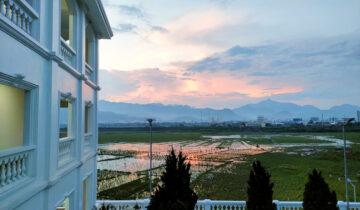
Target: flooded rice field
[[126, 163]]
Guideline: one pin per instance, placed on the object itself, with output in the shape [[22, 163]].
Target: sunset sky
[[228, 53]]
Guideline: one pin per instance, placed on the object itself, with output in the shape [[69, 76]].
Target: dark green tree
[[174, 192], [317, 195], [259, 190]]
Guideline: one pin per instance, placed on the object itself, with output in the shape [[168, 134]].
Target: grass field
[[289, 168], [289, 173], [143, 137]]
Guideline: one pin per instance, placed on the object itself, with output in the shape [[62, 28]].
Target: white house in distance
[[48, 102]]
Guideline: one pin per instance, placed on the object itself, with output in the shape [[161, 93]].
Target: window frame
[[71, 129], [90, 50], [30, 106], [89, 117], [73, 8]]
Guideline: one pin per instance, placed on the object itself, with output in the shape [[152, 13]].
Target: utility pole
[[346, 175], [150, 120]]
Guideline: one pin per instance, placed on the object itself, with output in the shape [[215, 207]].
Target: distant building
[[261, 119], [315, 119], [358, 116]]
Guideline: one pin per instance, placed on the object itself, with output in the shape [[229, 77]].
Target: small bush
[[317, 195], [174, 193], [259, 190]]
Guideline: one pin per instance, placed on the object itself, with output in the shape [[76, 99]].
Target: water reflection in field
[[214, 153]]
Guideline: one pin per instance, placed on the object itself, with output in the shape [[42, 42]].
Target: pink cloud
[[198, 89]]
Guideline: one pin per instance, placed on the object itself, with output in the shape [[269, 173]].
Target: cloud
[[216, 64], [159, 28], [255, 82], [132, 11], [245, 74], [262, 74], [125, 28]]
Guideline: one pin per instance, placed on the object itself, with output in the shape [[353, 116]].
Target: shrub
[[174, 192], [317, 194], [259, 189]]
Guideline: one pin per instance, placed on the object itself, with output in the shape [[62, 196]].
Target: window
[[67, 22], [85, 194], [87, 118], [65, 205], [12, 108], [65, 118], [89, 42]]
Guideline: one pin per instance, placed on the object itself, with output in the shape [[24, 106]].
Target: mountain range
[[120, 112]]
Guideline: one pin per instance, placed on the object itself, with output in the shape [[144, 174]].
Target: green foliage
[[317, 195], [174, 192], [260, 192], [143, 136]]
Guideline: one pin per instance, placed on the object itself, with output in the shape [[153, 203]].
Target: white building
[[48, 102]]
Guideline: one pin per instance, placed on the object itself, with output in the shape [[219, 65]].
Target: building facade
[[48, 102]]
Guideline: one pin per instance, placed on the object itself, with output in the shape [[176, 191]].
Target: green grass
[[126, 191], [296, 139], [352, 136], [289, 173], [143, 137]]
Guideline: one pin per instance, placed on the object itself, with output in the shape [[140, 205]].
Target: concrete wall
[[47, 77]]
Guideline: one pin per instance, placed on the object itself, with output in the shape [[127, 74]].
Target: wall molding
[[9, 28]]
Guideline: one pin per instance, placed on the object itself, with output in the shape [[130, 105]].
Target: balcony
[[214, 205], [89, 72], [88, 142], [67, 52], [66, 150], [14, 166], [19, 14]]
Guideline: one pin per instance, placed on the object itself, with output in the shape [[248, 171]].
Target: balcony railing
[[14, 166], [19, 12], [213, 205], [89, 71], [66, 150], [67, 52]]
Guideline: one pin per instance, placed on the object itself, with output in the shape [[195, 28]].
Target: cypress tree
[[259, 189], [317, 195], [174, 192]]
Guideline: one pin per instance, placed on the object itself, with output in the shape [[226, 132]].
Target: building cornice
[[96, 13], [34, 45]]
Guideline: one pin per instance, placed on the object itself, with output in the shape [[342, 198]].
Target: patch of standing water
[[132, 164], [334, 142]]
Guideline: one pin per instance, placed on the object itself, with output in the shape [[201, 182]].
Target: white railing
[[87, 139], [212, 205], [67, 52], [209, 204], [14, 165], [89, 71], [19, 12], [65, 150]]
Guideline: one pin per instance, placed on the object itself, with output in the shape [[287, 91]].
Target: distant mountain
[[277, 110], [115, 112], [164, 113]]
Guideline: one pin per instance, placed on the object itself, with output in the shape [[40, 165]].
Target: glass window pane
[[65, 119], [12, 105], [87, 112], [67, 22]]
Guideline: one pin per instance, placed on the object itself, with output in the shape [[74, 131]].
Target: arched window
[[67, 22]]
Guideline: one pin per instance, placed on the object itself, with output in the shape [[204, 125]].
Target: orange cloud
[[169, 87]]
